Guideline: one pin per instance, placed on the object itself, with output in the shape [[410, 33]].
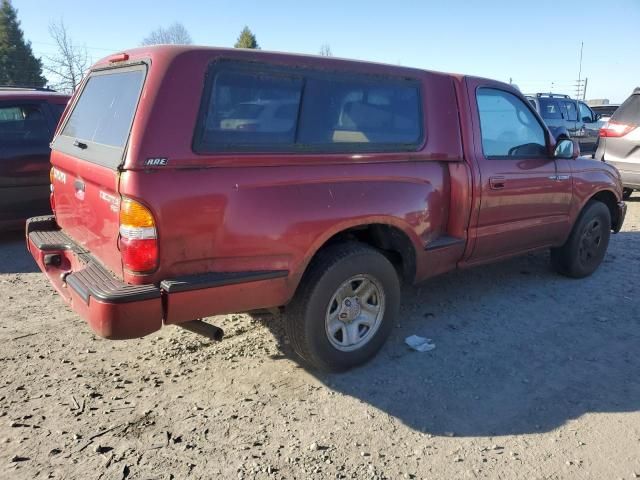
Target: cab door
[[569, 111], [525, 193], [589, 127]]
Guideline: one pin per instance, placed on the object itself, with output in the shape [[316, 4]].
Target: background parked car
[[28, 118], [620, 142], [258, 116], [568, 118], [604, 112]]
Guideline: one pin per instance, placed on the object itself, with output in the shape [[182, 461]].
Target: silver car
[[620, 142]]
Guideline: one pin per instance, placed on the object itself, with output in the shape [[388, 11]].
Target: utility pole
[[584, 90], [581, 89]]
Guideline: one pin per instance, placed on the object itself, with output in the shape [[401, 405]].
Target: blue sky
[[536, 43]]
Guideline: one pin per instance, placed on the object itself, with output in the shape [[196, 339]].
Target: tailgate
[[87, 206], [87, 153]]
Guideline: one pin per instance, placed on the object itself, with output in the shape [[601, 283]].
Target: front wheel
[[344, 308], [587, 245]]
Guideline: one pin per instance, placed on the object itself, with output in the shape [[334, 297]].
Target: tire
[[587, 244], [327, 322], [626, 193]]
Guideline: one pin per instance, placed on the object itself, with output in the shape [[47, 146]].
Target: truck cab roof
[[26, 93]]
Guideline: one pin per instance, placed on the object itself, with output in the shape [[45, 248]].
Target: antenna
[[581, 85], [580, 66]]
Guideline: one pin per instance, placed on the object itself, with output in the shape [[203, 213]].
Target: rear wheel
[[626, 193], [344, 308], [587, 245]]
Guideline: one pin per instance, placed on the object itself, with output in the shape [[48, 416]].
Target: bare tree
[[174, 34], [68, 65], [325, 50]]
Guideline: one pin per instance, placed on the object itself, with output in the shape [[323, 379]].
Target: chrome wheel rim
[[355, 313]]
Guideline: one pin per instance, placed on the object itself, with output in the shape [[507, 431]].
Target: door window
[[509, 128], [57, 109], [23, 125], [586, 115], [569, 110], [549, 108]]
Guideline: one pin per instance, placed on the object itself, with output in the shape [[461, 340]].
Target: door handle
[[559, 178], [496, 183]]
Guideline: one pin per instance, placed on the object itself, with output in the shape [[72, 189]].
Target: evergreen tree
[[18, 65], [246, 39]]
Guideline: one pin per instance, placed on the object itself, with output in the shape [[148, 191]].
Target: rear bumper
[[629, 173], [630, 179], [112, 308], [117, 310]]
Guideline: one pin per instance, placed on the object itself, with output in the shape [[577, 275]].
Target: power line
[[83, 46], [581, 88]]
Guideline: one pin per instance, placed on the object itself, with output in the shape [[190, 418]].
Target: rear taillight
[[138, 237], [614, 129]]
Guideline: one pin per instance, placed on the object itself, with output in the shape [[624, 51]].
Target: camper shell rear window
[[265, 108], [98, 126]]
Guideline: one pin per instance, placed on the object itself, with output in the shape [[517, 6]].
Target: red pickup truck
[[189, 182]]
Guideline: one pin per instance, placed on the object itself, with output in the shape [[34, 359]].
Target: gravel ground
[[534, 376]]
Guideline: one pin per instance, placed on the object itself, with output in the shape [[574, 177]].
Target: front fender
[[593, 178]]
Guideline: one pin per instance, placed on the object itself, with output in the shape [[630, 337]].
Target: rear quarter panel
[[275, 218]]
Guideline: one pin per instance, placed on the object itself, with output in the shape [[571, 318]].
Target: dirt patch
[[534, 376]]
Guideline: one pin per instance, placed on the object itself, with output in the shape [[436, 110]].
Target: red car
[[28, 118], [168, 208]]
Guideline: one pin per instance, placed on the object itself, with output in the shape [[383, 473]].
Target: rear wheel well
[[609, 199], [390, 241]]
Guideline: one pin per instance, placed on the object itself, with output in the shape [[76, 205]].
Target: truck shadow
[[519, 348], [14, 257]]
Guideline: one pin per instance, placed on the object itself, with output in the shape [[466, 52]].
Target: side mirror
[[598, 116], [567, 149]]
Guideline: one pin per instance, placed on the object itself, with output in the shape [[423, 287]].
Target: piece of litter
[[420, 344]]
